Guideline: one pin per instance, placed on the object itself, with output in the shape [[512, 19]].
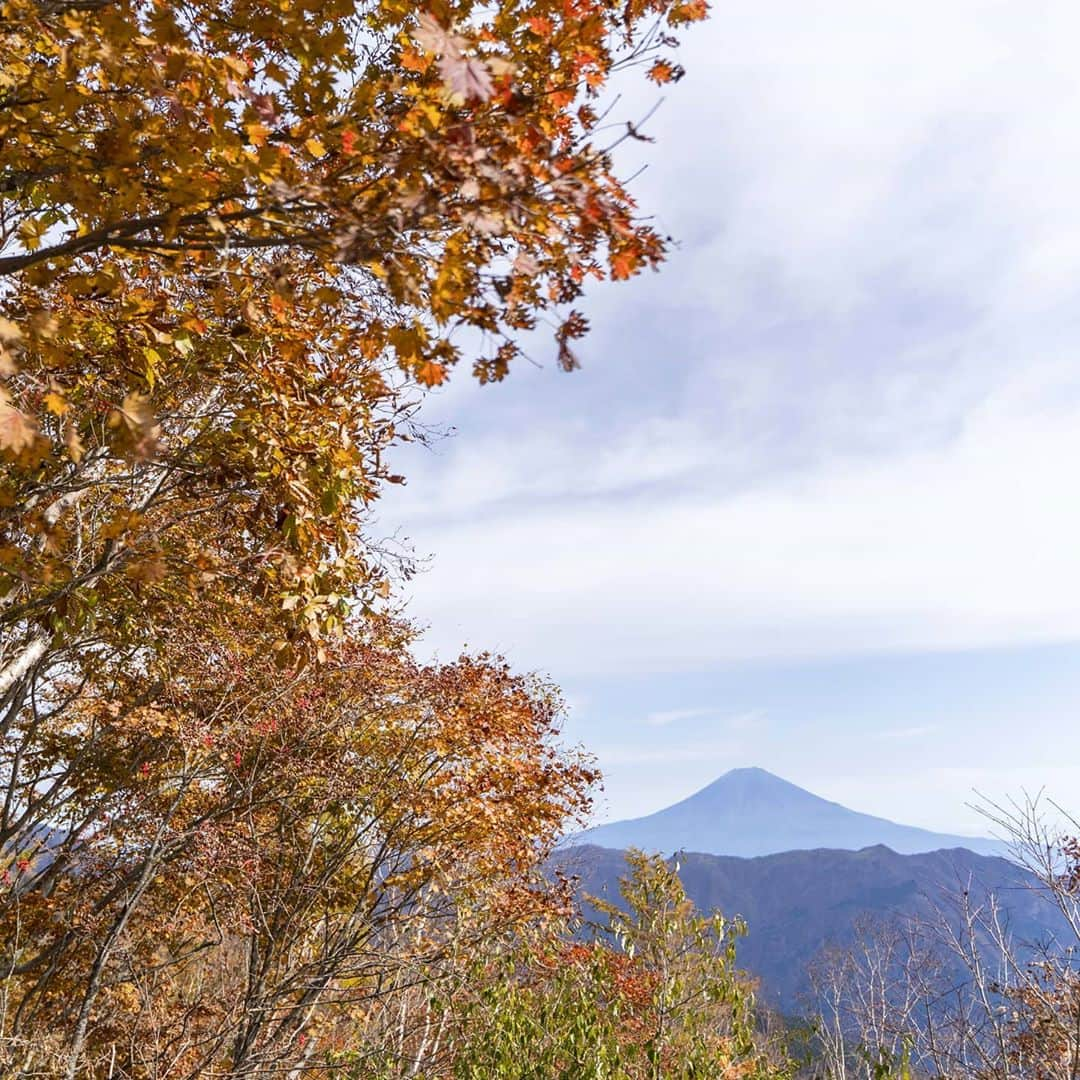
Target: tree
[[961, 995], [702, 1016], [655, 995], [238, 241], [232, 231], [869, 996], [273, 854]]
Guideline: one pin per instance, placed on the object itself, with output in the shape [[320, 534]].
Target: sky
[[811, 502]]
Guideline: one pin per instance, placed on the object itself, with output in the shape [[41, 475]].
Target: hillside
[[751, 812], [798, 901]]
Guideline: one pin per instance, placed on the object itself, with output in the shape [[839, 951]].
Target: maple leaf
[[466, 76], [411, 60], [148, 570], [18, 431], [137, 418], [56, 403], [430, 373], [433, 37], [10, 335], [73, 443], [663, 72], [526, 264], [541, 25], [691, 11], [623, 265]]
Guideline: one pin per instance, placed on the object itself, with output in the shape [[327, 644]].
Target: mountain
[[751, 812], [797, 902]]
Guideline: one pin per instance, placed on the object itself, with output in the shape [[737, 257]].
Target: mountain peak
[[750, 811], [749, 772], [752, 774]]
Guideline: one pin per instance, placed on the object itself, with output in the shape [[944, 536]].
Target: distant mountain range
[[797, 902], [751, 812]]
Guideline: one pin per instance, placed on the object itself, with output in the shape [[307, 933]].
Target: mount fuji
[[751, 812]]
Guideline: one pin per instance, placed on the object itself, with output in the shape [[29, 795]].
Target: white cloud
[[743, 721], [919, 731], [668, 754], [844, 419], [956, 794], [672, 716], [968, 544]]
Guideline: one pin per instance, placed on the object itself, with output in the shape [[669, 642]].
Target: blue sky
[[811, 504]]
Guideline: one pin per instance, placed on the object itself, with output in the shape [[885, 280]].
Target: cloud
[[667, 754], [671, 716], [743, 721], [916, 732], [968, 544], [843, 420], [752, 720]]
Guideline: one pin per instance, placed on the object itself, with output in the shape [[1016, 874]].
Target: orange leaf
[[17, 430], [623, 265], [661, 72], [430, 373], [541, 25]]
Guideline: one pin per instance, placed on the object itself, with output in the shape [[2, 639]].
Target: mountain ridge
[[750, 812], [797, 903]]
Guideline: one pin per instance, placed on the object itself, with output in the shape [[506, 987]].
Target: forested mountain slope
[[797, 902]]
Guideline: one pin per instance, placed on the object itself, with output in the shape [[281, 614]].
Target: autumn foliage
[[239, 241], [232, 863], [649, 990], [235, 235]]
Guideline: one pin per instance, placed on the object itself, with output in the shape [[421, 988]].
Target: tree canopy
[[239, 241], [234, 235]]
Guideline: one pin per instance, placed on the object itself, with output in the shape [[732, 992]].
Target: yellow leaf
[[149, 570], [314, 147], [45, 325], [56, 403], [73, 443]]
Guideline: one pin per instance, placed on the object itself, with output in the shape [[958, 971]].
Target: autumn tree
[[238, 241], [652, 993], [273, 854], [232, 234]]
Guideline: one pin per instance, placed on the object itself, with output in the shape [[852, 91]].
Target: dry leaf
[[18, 431]]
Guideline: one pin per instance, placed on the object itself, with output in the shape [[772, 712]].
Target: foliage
[[655, 995], [267, 851], [233, 230], [238, 242]]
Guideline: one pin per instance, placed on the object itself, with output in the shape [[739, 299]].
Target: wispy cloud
[[751, 720], [963, 545], [916, 732], [673, 716], [670, 754]]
